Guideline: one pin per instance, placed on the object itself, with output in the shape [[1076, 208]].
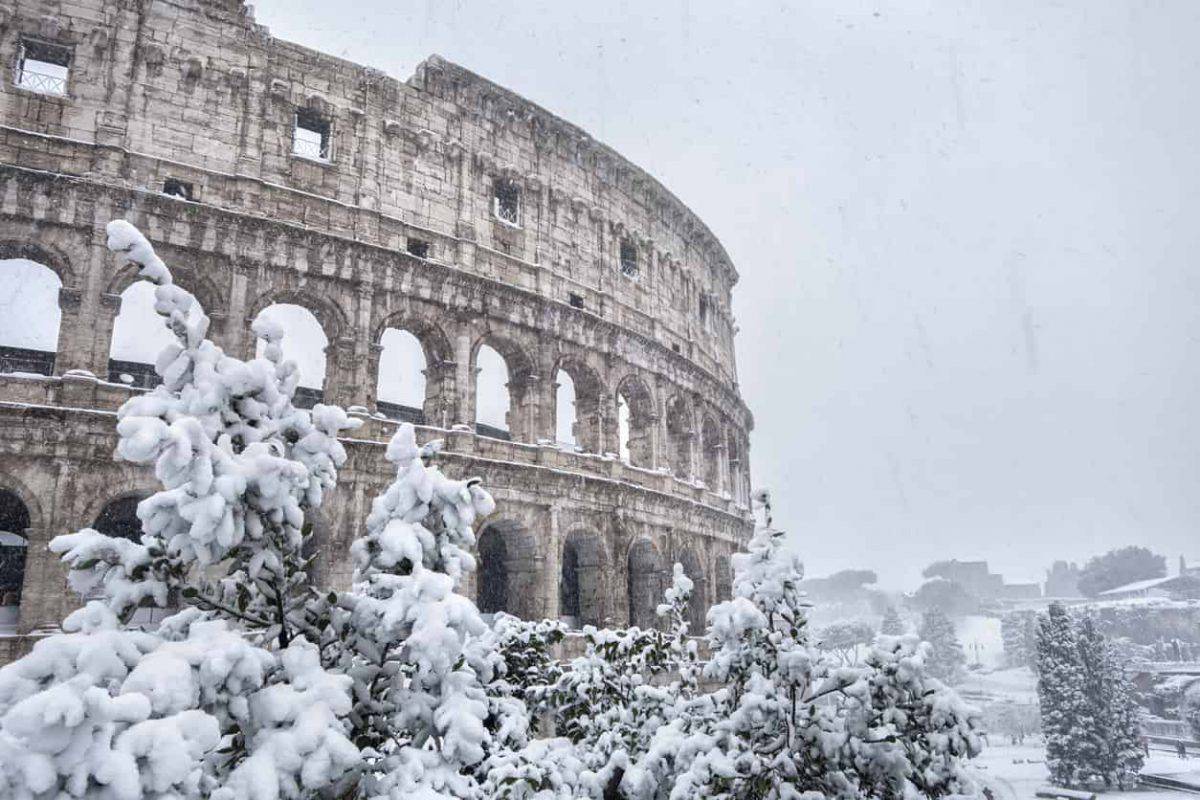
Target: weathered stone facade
[[604, 275]]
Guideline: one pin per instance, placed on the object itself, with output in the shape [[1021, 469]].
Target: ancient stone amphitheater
[[444, 207]]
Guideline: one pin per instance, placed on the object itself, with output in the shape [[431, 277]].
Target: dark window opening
[[629, 259], [704, 308], [311, 136], [506, 201], [418, 247], [177, 188], [675, 346], [568, 587], [493, 572], [119, 518], [576, 300], [43, 68], [14, 527]]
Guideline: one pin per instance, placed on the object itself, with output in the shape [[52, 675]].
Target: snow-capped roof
[[1137, 586]]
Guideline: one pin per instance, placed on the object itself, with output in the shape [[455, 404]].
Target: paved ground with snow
[[1016, 772]]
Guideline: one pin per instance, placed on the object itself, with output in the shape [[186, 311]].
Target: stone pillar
[[74, 337], [440, 397], [108, 307], [553, 563], [527, 417], [365, 375], [464, 227], [340, 386], [463, 412], [237, 328], [371, 387]]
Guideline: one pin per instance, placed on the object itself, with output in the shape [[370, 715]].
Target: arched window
[[492, 401], [634, 422], [580, 595], [119, 518], [139, 335], [29, 316], [400, 392], [493, 571], [304, 341], [564, 407], [14, 527], [645, 584]]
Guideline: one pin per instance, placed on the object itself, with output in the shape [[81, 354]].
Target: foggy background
[[969, 302], [967, 236]]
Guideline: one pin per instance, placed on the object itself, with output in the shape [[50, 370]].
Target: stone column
[[364, 375], [237, 328], [463, 412], [108, 306], [440, 393], [74, 338], [371, 387], [553, 574], [340, 386]]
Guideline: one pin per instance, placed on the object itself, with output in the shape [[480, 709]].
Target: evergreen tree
[[1112, 750], [946, 658], [1061, 698], [892, 625]]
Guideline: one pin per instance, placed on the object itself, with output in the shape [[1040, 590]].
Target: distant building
[[1177, 587], [1021, 591], [1062, 580]]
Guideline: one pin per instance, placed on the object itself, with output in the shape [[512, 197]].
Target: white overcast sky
[[967, 234]]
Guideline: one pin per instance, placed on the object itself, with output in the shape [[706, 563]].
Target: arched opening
[[564, 410], [400, 392], [493, 403], [29, 317], [492, 593], [14, 545], [580, 594], [304, 341], [698, 604], [139, 335], [119, 518], [645, 589], [635, 420], [679, 437], [714, 453]]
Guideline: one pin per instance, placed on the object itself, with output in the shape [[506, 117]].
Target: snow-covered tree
[[846, 639], [228, 698], [1116, 731], [946, 659], [892, 625], [1089, 715], [1018, 631], [786, 721]]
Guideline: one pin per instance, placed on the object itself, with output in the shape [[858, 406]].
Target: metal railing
[[305, 148], [400, 412], [306, 397], [492, 432], [41, 82]]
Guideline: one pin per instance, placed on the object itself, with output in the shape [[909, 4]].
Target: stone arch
[[581, 579], [15, 524], [47, 255], [434, 377], [693, 567], [316, 369], [206, 292], [680, 430], [713, 449], [30, 295], [738, 488], [587, 423], [635, 421], [118, 517], [334, 320], [139, 334], [646, 579], [507, 578], [517, 389]]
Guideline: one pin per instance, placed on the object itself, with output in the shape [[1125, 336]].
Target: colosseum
[[444, 211]]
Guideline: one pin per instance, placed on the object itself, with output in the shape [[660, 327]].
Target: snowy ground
[[1016, 772]]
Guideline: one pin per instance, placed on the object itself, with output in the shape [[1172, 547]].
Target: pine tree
[[1112, 751], [892, 625], [1067, 716], [946, 658]]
